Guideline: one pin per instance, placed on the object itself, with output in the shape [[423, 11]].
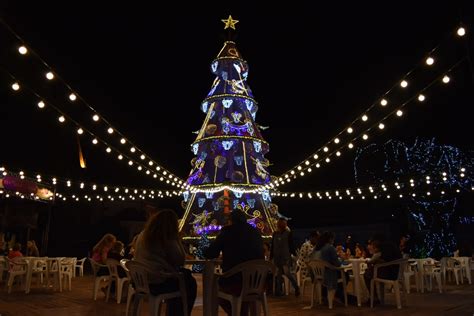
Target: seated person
[[238, 242], [116, 252], [31, 249], [15, 252], [158, 246], [101, 250]]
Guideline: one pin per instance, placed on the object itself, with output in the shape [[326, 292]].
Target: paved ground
[[457, 301]]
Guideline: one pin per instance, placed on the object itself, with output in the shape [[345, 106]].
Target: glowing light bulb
[[350, 130], [315, 156], [365, 137], [383, 102], [49, 75], [338, 153], [72, 97], [446, 79], [142, 157], [461, 31], [108, 150], [16, 86], [307, 162], [110, 130], [336, 140], [61, 119], [328, 160], [421, 98], [95, 117], [399, 113], [365, 118], [22, 50], [429, 61], [350, 145], [381, 126], [325, 149], [132, 149], [41, 104], [404, 84], [150, 163], [95, 141], [120, 157], [80, 131]]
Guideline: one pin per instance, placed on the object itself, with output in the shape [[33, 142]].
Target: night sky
[[313, 69]]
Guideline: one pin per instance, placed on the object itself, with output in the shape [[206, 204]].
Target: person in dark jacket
[[281, 251], [239, 242]]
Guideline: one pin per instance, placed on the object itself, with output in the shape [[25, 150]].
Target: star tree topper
[[230, 23]]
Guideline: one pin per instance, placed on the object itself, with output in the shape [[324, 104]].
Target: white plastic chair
[[17, 268], [139, 276], [465, 263], [317, 267], [131, 289], [66, 271], [113, 265], [395, 284], [98, 278], [79, 265], [411, 271], [449, 267], [254, 275], [431, 271]]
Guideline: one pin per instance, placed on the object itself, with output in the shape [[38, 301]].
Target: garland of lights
[[306, 164], [148, 168], [24, 49], [382, 190], [112, 191]]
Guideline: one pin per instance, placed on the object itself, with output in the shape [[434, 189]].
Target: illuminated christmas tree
[[229, 170]]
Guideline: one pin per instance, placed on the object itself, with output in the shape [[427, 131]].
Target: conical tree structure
[[229, 170]]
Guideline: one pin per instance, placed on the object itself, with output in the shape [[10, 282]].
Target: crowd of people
[[159, 248]]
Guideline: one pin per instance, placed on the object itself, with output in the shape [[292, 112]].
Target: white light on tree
[[61, 119], [22, 50], [16, 86], [429, 61], [383, 102], [80, 131], [399, 113], [404, 84], [421, 98], [446, 79], [72, 97], [41, 104], [49, 75], [365, 118], [381, 126], [110, 130], [365, 137], [350, 130], [95, 117], [461, 31]]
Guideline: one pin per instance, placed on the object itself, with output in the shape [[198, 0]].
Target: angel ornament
[[260, 167], [201, 219]]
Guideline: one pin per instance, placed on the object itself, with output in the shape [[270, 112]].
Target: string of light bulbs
[[328, 152], [96, 117], [383, 101], [149, 168], [386, 189], [68, 184]]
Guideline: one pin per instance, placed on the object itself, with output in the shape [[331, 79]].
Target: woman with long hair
[[102, 248], [158, 246]]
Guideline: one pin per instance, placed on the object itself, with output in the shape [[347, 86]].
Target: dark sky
[[312, 70]]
